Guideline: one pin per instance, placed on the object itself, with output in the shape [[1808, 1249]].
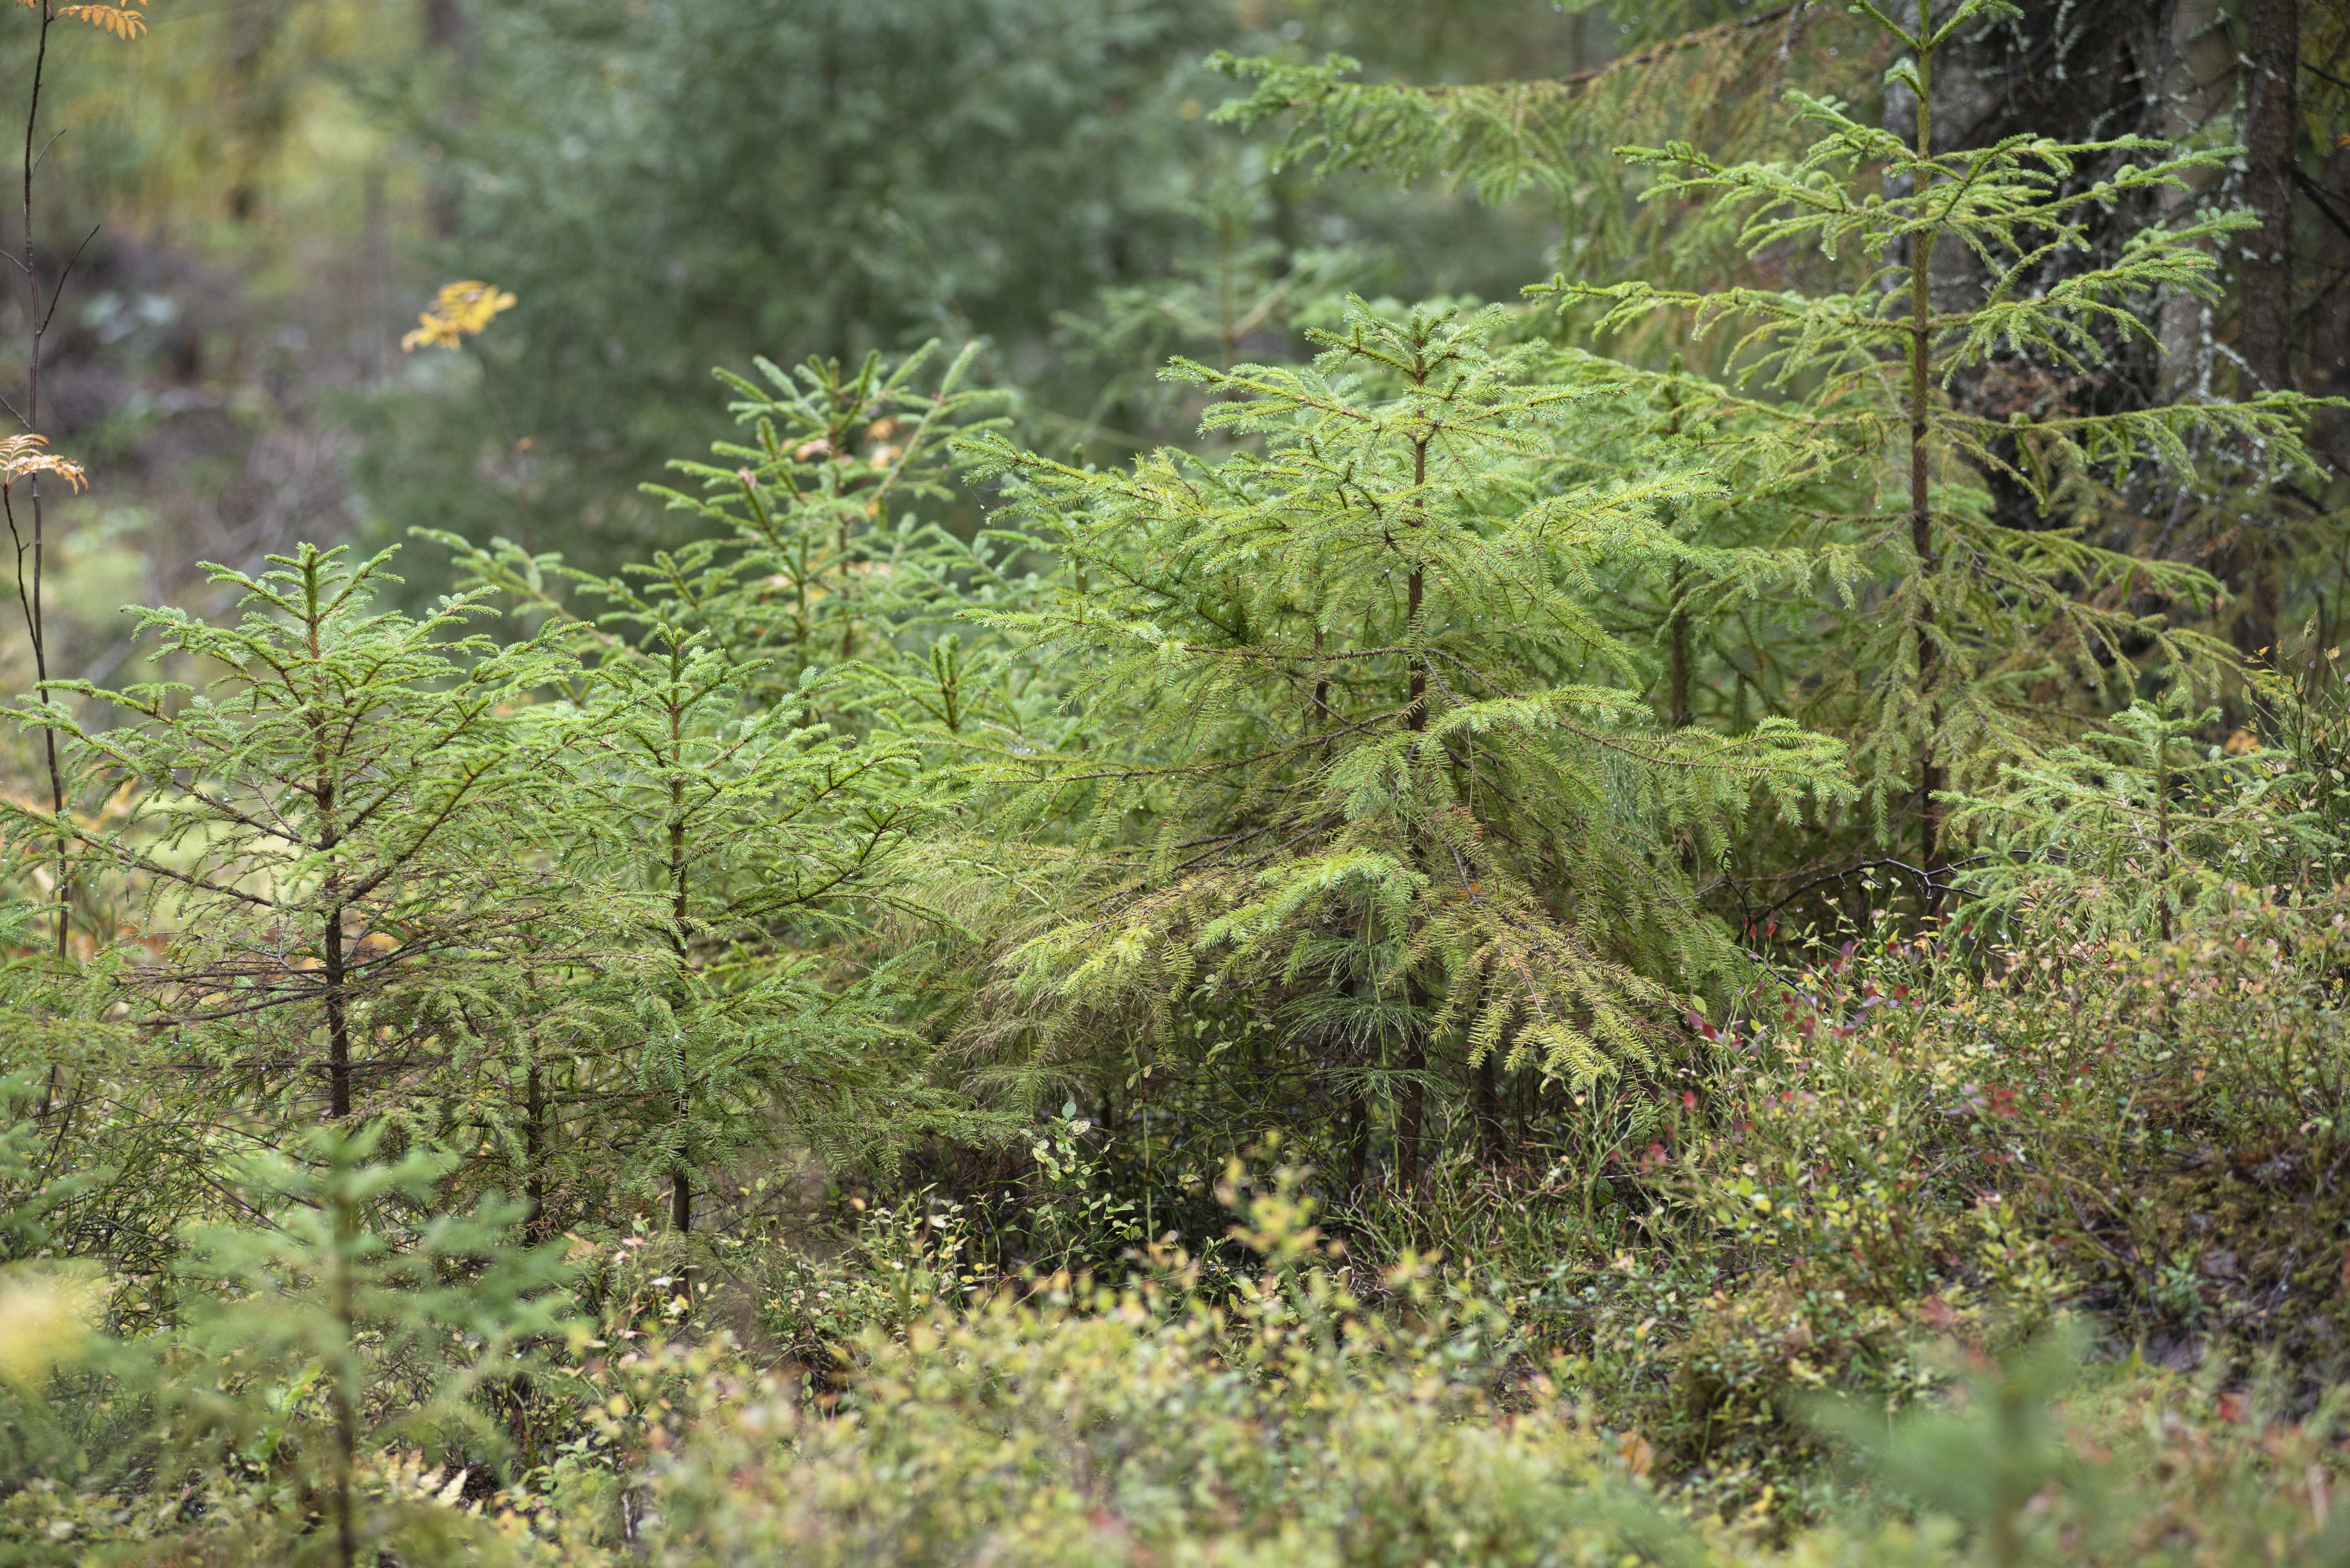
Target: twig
[[2321, 196], [58, 295], [28, 419]]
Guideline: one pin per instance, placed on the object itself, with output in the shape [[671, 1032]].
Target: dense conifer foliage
[[1694, 918], [1984, 625], [1384, 777]]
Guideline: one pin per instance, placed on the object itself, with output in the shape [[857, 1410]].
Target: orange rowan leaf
[[22, 456], [118, 20]]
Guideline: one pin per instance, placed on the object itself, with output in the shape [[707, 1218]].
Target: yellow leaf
[[45, 1315], [461, 310]]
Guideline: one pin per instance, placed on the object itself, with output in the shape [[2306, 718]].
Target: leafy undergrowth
[[1260, 1416], [1912, 1260]]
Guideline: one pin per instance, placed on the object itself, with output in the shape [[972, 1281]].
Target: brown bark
[[444, 24], [1678, 623], [1411, 1120], [446, 28], [2264, 330], [347, 1438], [36, 318], [1487, 1103], [1414, 1111], [339, 1028], [681, 1191], [1682, 657], [330, 837], [533, 1187], [1930, 775], [2264, 325], [1359, 1141]]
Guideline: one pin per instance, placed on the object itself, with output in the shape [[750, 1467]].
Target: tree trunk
[[337, 970], [1358, 1142], [444, 25], [36, 325], [681, 1191], [446, 29], [2265, 329], [2264, 325], [1411, 1119], [2194, 75], [1489, 1102], [1682, 657], [338, 1024], [342, 1304], [1930, 775], [534, 1183]]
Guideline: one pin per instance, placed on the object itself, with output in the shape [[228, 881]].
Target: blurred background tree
[[1073, 191], [667, 187]]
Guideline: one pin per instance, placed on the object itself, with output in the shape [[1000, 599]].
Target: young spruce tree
[[2134, 829], [751, 829], [813, 551], [760, 700], [347, 1321], [325, 839], [1361, 763], [1972, 640]]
